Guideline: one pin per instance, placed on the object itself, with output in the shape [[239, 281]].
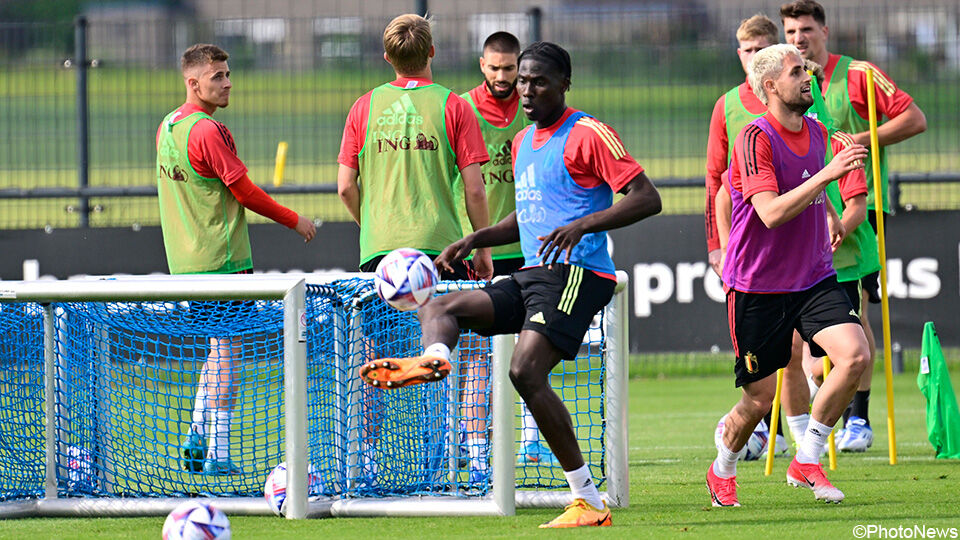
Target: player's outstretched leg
[[440, 320], [399, 372]]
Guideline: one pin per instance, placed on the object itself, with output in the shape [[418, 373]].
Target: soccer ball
[[275, 488], [80, 475], [756, 444], [405, 279], [196, 520]]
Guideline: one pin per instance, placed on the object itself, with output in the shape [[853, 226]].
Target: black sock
[[846, 413], [860, 406], [766, 418], [780, 422]]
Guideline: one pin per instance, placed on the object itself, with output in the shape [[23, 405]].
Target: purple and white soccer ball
[[275, 488], [79, 468], [756, 444], [196, 520], [406, 279]]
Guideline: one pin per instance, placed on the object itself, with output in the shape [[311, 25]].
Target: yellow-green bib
[[407, 169], [497, 177], [204, 226]]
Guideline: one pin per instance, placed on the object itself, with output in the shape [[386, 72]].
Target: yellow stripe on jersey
[[885, 84], [845, 139], [571, 291], [613, 143]]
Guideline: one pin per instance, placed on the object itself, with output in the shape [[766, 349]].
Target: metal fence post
[[535, 17], [83, 150], [421, 8]]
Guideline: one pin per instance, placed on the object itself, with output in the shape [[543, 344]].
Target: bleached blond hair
[[768, 64]]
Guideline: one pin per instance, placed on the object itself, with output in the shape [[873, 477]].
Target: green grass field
[[671, 445]]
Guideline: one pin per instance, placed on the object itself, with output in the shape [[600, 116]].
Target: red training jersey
[[498, 112], [462, 128], [891, 100], [593, 154], [718, 155]]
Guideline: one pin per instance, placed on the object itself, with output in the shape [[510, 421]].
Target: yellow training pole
[[280, 164], [774, 420], [884, 300], [831, 447]]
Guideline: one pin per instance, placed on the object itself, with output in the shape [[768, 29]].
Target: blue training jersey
[[548, 197]]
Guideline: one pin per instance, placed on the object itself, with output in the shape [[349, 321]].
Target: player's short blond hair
[[407, 41], [768, 64], [202, 54], [758, 26]]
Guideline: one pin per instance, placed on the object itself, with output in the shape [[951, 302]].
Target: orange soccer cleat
[[400, 372], [580, 513]]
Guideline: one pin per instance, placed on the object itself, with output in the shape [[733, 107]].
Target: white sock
[[477, 448], [199, 419], [813, 387], [813, 440], [220, 435], [530, 432], [725, 466], [439, 350], [582, 486], [798, 425]]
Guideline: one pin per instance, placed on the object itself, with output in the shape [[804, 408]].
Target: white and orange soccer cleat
[[399, 372], [811, 476], [580, 513], [723, 491]]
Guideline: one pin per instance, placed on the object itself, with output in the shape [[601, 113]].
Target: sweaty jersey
[[204, 226], [564, 172], [497, 173], [796, 255]]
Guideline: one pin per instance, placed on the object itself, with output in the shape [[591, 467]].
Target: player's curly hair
[[202, 54], [768, 64], [550, 53]]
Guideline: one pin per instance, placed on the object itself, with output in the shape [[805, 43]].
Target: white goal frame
[[503, 499]]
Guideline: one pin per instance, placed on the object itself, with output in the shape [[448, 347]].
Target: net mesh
[[127, 375]]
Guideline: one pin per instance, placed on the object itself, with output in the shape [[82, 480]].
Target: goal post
[[102, 372]]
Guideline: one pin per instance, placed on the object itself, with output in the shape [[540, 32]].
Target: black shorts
[[460, 270], [558, 302], [853, 291], [762, 325], [871, 282], [505, 267]]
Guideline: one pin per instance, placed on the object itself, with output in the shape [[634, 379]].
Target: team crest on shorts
[[750, 360]]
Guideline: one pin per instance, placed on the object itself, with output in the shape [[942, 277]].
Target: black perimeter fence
[[82, 98]]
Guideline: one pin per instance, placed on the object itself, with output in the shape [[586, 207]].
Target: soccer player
[[496, 104], [403, 145], [779, 270], [203, 189], [845, 94], [732, 111], [567, 166]]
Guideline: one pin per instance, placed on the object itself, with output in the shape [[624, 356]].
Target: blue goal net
[[125, 386]]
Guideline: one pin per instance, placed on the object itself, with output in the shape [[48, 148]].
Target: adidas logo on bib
[[805, 175], [400, 112]]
